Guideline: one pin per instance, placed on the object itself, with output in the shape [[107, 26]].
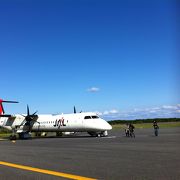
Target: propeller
[[29, 118]]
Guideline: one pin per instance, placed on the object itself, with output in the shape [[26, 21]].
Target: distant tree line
[[144, 120]]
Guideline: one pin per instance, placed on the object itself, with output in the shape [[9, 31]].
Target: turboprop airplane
[[23, 125]]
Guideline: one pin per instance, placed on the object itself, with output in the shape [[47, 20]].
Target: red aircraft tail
[[1, 106]]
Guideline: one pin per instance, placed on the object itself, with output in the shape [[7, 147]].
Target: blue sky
[[118, 58]]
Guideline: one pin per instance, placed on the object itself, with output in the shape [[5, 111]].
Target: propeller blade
[[74, 110], [28, 111], [34, 113], [23, 122]]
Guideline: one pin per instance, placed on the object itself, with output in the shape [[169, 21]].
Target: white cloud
[[137, 110], [113, 111], [156, 108], [170, 107], [152, 111], [105, 113], [93, 89], [165, 111]]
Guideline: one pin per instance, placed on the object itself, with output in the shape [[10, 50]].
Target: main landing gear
[[98, 134], [22, 135]]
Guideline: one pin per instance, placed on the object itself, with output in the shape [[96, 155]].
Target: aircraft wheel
[[59, 134], [38, 134], [104, 134]]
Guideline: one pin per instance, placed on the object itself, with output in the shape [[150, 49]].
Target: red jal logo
[[59, 123]]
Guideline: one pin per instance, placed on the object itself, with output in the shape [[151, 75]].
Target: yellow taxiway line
[[44, 171]]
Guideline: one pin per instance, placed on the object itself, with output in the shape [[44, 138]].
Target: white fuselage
[[79, 122]]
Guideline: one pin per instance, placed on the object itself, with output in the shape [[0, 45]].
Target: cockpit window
[[91, 117], [87, 117], [95, 117]]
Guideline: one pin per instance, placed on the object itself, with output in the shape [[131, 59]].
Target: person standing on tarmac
[[131, 130], [156, 128], [127, 130]]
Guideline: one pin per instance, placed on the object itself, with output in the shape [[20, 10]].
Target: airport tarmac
[[115, 157]]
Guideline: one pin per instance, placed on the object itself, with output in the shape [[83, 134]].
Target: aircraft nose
[[109, 127]]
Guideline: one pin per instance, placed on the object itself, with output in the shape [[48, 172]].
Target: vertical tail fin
[[1, 105]]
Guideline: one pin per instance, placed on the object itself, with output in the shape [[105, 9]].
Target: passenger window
[[95, 117]]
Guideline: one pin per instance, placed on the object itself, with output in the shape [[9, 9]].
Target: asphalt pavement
[[115, 157]]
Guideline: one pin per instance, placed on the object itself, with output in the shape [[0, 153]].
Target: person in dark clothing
[[131, 130], [156, 128]]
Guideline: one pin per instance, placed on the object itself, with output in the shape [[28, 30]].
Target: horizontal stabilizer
[[9, 101], [5, 115]]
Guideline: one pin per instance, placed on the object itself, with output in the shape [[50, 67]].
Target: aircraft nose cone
[[109, 127]]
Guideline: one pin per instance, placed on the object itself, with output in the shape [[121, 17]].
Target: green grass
[[5, 135], [148, 125]]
